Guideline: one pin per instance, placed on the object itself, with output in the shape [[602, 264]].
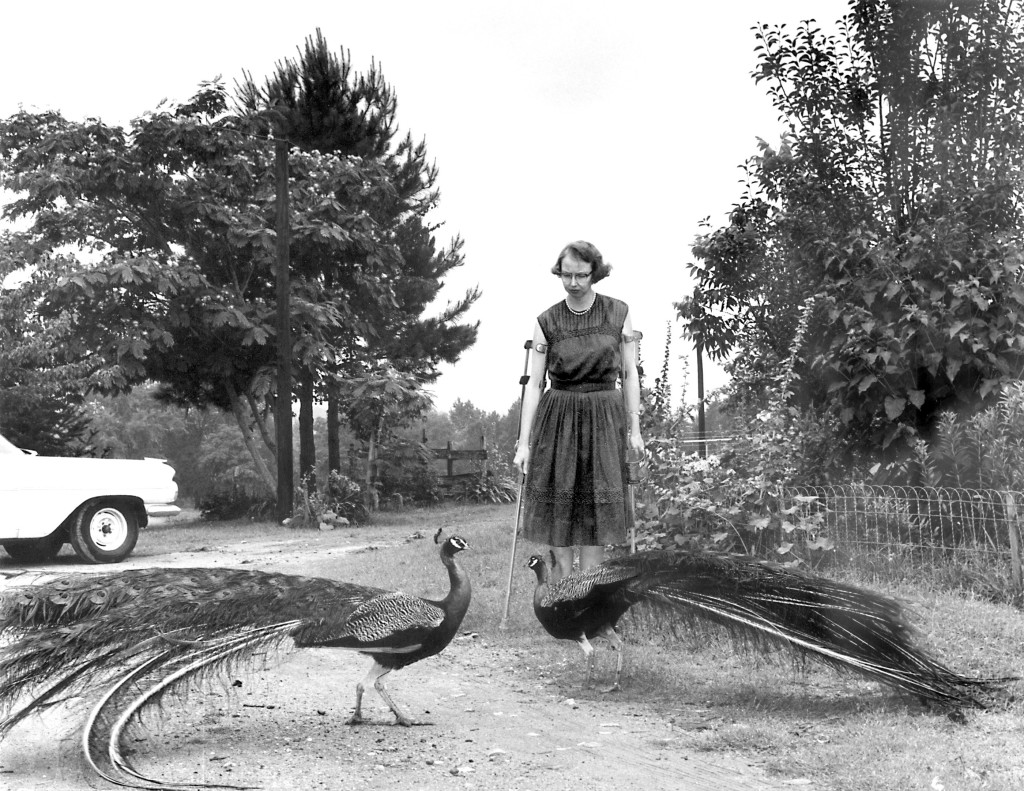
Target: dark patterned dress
[[576, 491]]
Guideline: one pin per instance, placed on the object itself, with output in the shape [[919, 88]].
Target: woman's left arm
[[631, 384]]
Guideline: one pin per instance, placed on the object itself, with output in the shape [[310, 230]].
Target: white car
[[96, 505]]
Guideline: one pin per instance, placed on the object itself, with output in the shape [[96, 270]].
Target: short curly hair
[[586, 253]]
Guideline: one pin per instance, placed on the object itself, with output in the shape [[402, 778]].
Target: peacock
[[769, 604], [126, 639]]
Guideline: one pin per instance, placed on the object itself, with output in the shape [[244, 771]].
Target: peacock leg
[[591, 656], [376, 671], [400, 716], [616, 644], [357, 715]]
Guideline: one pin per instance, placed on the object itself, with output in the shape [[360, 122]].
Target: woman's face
[[575, 277]]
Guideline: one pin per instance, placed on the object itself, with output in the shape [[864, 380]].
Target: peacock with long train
[[126, 639], [768, 604]]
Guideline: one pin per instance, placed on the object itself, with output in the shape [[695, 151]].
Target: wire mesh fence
[[967, 537]]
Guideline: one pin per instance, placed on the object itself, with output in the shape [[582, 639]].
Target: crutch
[[632, 467], [522, 481]]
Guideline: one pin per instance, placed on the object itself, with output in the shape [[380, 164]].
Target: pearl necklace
[[583, 312]]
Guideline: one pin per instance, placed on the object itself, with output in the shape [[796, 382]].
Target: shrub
[[338, 498], [234, 502], [731, 501], [404, 473], [485, 489], [344, 497]]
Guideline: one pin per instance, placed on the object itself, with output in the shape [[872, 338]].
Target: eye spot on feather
[[99, 597]]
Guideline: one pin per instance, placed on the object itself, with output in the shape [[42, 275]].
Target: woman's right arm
[[531, 397]]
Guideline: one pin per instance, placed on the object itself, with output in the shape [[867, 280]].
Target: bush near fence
[[952, 538]]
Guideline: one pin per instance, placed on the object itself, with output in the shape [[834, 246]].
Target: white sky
[[622, 123]]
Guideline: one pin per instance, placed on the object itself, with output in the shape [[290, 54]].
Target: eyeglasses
[[579, 277]]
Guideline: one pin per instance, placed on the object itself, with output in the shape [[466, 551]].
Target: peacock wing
[[391, 621], [583, 586]]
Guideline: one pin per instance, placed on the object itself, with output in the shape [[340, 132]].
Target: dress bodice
[[584, 349]]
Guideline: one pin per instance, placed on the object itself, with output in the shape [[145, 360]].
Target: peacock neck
[[539, 592], [457, 601]]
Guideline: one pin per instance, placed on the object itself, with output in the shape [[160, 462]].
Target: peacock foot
[[403, 720]]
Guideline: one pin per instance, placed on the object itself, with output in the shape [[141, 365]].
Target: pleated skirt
[[576, 492]]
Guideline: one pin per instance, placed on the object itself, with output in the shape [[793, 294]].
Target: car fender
[[39, 494]]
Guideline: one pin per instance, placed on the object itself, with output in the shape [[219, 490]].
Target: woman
[[574, 436]]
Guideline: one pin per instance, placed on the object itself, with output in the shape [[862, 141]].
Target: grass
[[799, 719]]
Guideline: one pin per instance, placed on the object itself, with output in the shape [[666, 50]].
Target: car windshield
[[8, 449]]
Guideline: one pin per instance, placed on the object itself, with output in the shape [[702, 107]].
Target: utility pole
[[702, 446], [283, 405]]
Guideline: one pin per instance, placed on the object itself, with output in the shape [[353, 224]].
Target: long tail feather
[[124, 640], [885, 657], [213, 654], [843, 625], [46, 698], [96, 714]]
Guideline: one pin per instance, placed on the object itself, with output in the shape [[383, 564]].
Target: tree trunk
[[370, 492], [333, 428], [283, 411], [259, 417], [250, 443], [307, 447], [371, 455]]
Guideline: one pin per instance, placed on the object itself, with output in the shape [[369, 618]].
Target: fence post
[[1013, 528]]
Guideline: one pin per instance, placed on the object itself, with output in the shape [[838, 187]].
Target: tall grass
[[798, 718]]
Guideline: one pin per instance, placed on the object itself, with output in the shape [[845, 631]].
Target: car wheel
[[105, 532], [35, 550]]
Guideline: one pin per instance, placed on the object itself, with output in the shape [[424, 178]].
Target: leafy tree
[[888, 220], [379, 403], [41, 401], [318, 105], [415, 343], [141, 423], [47, 422], [170, 278], [325, 107], [176, 213]]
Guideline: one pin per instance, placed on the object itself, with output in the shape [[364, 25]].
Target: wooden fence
[[452, 455], [357, 460]]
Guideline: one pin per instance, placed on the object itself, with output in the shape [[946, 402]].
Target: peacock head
[[540, 568], [450, 545]]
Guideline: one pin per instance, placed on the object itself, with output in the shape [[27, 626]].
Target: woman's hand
[[522, 457], [636, 442]]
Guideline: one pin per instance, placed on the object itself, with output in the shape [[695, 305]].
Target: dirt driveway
[[498, 723]]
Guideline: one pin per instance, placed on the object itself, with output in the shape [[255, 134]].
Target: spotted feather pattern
[[386, 615], [582, 584]]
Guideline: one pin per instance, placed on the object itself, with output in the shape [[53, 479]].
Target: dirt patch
[[497, 723]]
